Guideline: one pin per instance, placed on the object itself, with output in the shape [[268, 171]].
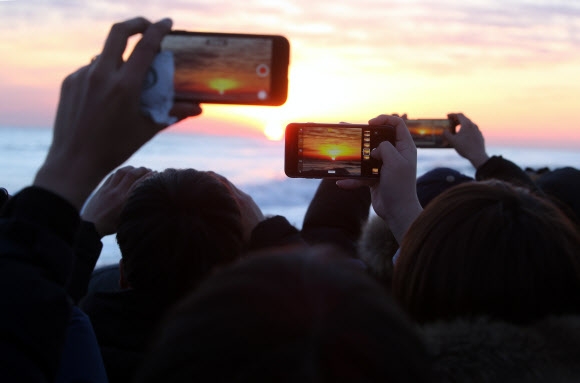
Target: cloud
[[361, 42]]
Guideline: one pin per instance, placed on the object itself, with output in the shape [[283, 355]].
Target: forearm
[[400, 219], [71, 180]]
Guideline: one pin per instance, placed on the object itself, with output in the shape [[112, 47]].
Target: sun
[[274, 130]]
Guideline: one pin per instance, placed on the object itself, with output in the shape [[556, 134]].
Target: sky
[[512, 67]]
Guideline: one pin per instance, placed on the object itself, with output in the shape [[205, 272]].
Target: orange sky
[[512, 68]]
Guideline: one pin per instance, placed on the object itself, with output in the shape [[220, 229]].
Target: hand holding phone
[[317, 150], [468, 142], [394, 196]]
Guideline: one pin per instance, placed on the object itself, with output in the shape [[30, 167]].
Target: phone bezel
[[279, 68], [291, 155]]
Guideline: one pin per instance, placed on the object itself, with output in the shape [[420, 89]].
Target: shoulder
[[487, 350]]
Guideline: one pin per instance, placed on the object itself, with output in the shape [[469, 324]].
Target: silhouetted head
[[492, 249], [563, 186], [288, 316], [4, 197], [175, 228], [436, 181]]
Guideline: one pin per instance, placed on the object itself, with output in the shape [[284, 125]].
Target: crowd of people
[[451, 279]]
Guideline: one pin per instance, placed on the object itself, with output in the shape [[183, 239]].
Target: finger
[[110, 180], [403, 140], [382, 119], [182, 110], [384, 151], [146, 49], [448, 136], [115, 178], [71, 91], [350, 183], [116, 42], [130, 176], [126, 175], [462, 120], [138, 180]]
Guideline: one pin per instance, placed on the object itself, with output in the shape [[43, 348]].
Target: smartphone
[[228, 68], [428, 132], [314, 150]]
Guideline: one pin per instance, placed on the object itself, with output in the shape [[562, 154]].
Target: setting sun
[[341, 69], [274, 130]]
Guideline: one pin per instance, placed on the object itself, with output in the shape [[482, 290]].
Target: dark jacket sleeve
[[87, 249], [37, 230], [499, 168], [335, 216]]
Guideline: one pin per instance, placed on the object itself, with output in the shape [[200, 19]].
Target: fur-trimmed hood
[[483, 350]]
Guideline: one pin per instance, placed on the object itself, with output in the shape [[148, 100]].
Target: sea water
[[255, 165]]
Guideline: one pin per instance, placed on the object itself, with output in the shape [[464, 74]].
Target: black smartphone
[[228, 68], [315, 150], [428, 132]]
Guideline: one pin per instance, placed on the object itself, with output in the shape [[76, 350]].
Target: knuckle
[[97, 75], [118, 28], [123, 85], [68, 82], [72, 79], [147, 45]]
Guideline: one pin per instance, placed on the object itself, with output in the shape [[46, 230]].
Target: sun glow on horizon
[[339, 150], [514, 79], [274, 130]]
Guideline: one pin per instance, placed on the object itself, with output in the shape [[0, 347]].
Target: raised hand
[[99, 124], [468, 142], [394, 197], [104, 208]]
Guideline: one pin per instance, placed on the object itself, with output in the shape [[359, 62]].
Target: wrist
[[479, 159], [400, 219], [68, 180]]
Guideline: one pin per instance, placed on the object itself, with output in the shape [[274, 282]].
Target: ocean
[[255, 165]]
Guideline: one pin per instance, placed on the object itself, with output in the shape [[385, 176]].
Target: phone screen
[[229, 68], [428, 132], [333, 150]]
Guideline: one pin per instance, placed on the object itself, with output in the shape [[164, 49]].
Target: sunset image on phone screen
[[215, 68], [331, 150]]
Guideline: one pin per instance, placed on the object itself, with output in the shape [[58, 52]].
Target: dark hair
[[489, 249], [175, 228], [288, 316], [562, 185]]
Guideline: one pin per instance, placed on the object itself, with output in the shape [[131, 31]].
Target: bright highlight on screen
[[223, 84], [335, 151]]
